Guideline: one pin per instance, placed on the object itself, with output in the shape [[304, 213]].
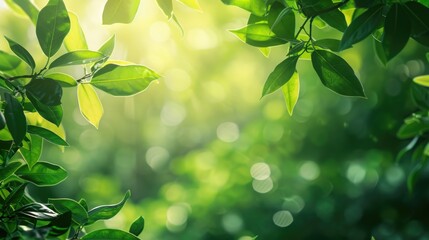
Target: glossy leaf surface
[[43, 174]]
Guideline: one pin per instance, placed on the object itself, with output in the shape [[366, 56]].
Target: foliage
[[32, 113]]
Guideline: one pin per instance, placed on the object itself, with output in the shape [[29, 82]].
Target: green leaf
[[422, 80], [327, 43], [420, 96], [47, 130], [42, 174], [282, 21], [89, 104], [27, 7], [79, 214], [419, 16], [77, 57], [110, 234], [9, 169], [106, 211], [31, 153], [16, 195], [336, 74], [37, 211], [291, 92], [53, 114], [379, 50], [281, 75], [83, 203], [60, 225], [75, 39], [413, 126], [191, 3], [335, 19], [47, 134], [312, 8], [8, 62], [256, 7], [397, 30], [45, 90], [52, 26], [2, 121], [166, 7], [63, 79], [21, 52], [137, 226], [15, 118], [362, 26], [258, 35], [123, 80], [120, 11], [108, 47]]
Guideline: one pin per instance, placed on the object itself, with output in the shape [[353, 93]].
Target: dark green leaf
[[63, 79], [335, 19], [21, 52], [8, 62], [83, 203], [16, 195], [312, 8], [413, 126], [366, 3], [419, 16], [256, 7], [379, 51], [362, 26], [106, 211], [79, 213], [406, 149], [28, 8], [15, 118], [53, 114], [397, 29], [420, 96], [37, 211], [166, 7], [31, 153], [60, 225], [327, 43], [258, 35], [43, 174], [296, 48], [281, 75], [336, 74], [2, 121], [9, 169], [47, 134], [46, 91], [137, 226], [122, 11], [78, 57], [282, 21], [110, 234], [52, 26], [123, 80]]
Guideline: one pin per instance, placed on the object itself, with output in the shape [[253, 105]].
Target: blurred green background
[[206, 158]]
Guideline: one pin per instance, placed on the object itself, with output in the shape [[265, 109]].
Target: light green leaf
[[15, 118], [52, 26], [123, 80], [21, 52], [166, 7], [32, 152], [8, 62], [79, 213], [77, 57], [280, 75], [75, 39], [47, 130], [24, 7], [137, 226], [258, 35], [106, 211], [43, 174], [336, 74], [63, 79], [291, 92], [256, 7], [110, 234], [89, 104], [422, 80], [191, 3], [120, 11], [108, 47]]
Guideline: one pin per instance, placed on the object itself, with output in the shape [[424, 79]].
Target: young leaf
[[422, 80], [397, 29], [77, 57], [8, 62], [46, 91], [258, 35], [15, 118], [21, 52], [122, 11], [291, 92], [191, 3], [166, 7], [419, 16], [111, 234], [42, 174], [106, 211], [63, 79], [79, 214], [27, 7], [335, 19], [256, 7], [137, 226], [280, 76], [362, 26], [75, 39], [52, 26], [336, 74], [89, 104], [32, 152], [123, 80], [9, 169], [39, 126]]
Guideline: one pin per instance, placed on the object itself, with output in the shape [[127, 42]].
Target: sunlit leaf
[[21, 52], [8, 62], [120, 11], [26, 7], [166, 7], [78, 57], [191, 3], [327, 43], [106, 211], [422, 80], [79, 213], [53, 114], [47, 134], [37, 211], [39, 126], [52, 26], [291, 92], [123, 80], [108, 47], [111, 234], [2, 121], [258, 35], [336, 74], [397, 29], [137, 226], [43, 174], [63, 79], [32, 152], [280, 76], [256, 7], [282, 22], [75, 39], [89, 104], [15, 118]]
